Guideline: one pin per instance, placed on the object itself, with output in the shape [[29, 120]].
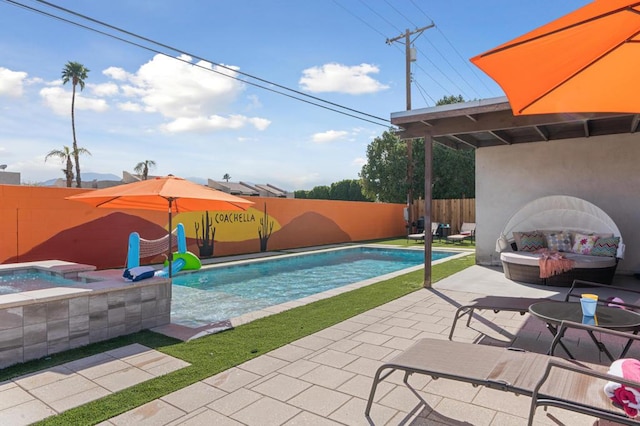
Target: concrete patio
[[325, 378]]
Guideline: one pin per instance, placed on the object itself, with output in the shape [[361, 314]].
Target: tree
[[384, 176], [319, 193], [65, 155], [143, 167], [226, 177], [347, 190], [77, 74]]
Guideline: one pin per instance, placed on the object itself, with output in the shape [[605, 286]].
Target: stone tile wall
[[42, 322]]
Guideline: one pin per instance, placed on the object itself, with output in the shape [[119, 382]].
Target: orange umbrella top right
[[586, 61]]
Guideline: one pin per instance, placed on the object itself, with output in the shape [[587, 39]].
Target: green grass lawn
[[215, 353]]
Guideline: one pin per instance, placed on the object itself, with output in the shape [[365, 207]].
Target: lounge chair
[[630, 300], [547, 380], [420, 237], [467, 231]]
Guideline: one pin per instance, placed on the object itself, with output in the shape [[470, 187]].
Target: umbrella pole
[[170, 255]]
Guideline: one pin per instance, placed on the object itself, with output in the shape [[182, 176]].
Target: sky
[[285, 92]]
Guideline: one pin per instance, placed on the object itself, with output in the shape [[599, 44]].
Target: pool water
[[31, 280], [220, 293]]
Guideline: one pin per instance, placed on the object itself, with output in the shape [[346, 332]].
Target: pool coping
[[186, 333]]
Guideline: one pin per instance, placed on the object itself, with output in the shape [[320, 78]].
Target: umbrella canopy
[[169, 193], [586, 61]]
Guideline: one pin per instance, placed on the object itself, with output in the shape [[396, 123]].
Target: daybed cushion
[[582, 243], [528, 241], [559, 241], [583, 261], [606, 247]]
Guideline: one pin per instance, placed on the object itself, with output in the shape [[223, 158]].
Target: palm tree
[[142, 168], [226, 177], [76, 73], [65, 155]]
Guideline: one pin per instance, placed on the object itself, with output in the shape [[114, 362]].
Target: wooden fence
[[451, 211]]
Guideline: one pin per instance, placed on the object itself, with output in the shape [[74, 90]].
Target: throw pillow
[[559, 241], [528, 241], [583, 243], [606, 247]]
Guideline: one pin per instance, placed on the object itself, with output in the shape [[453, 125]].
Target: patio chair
[[630, 299], [421, 236], [467, 231], [547, 380]]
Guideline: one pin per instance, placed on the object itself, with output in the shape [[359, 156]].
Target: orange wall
[[37, 223]]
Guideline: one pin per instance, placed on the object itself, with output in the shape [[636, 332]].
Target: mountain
[[88, 177]]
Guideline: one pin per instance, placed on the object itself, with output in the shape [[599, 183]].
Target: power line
[[137, 36]]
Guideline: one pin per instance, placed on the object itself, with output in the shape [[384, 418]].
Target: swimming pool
[[27, 280], [223, 292]]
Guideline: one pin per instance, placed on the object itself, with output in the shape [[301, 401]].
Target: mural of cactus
[[205, 238], [265, 229]]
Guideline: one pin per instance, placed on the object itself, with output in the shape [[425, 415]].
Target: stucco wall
[[602, 170]]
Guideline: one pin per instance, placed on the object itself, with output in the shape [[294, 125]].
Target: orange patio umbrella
[[586, 61], [168, 193]]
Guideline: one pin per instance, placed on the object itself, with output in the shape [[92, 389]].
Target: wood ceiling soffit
[[634, 123], [466, 139], [542, 131], [472, 118], [585, 126], [501, 136]]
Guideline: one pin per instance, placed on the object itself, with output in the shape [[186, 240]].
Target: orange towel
[[553, 263]]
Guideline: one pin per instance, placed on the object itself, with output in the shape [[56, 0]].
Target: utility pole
[[409, 57]]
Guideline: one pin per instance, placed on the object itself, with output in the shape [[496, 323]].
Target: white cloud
[[193, 96], [105, 89], [354, 80], [12, 82], [59, 101], [130, 106], [329, 136], [215, 122]]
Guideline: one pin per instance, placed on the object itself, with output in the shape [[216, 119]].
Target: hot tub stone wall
[[46, 323]]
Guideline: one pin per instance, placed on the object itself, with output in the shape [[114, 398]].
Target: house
[[592, 156]]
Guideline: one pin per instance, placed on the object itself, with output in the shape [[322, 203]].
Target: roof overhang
[[490, 122]]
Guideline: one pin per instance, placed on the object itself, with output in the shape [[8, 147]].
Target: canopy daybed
[[524, 239]]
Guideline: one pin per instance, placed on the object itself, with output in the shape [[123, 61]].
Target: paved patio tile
[[334, 334], [231, 379], [334, 358], [373, 338], [349, 325], [344, 345], [26, 413], [371, 351], [364, 366], [402, 399], [326, 376], [150, 414], [352, 413], [407, 333], [193, 397], [399, 322], [262, 365], [309, 419], [399, 342], [43, 377], [204, 417], [360, 386], [457, 390], [122, 379], [298, 368], [12, 395], [64, 388], [377, 328], [312, 342], [449, 409], [281, 387], [266, 412], [319, 400], [290, 353], [234, 401], [366, 319]]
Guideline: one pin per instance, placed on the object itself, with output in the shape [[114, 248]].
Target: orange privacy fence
[[37, 223]]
